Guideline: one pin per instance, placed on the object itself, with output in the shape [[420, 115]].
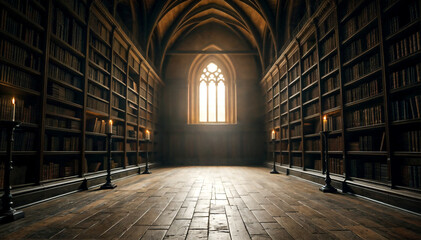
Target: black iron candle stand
[[274, 159], [147, 159], [327, 187], [109, 184], [8, 214]]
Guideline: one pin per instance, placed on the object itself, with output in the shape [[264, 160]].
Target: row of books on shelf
[[405, 47], [99, 60], [408, 108], [308, 44], [54, 109], [24, 112], [61, 143], [99, 28], [354, 24], [330, 83], [336, 165], [413, 174], [362, 68], [294, 58], [329, 64], [99, 46], [62, 93], [99, 76], [97, 105], [410, 14], [335, 143], [21, 56], [361, 44], [311, 109], [118, 88], [411, 141], [310, 78], [64, 56], [294, 73], [14, 76], [24, 141], [294, 88], [121, 64], [62, 123], [309, 61], [367, 143], [51, 170], [331, 102], [365, 116], [98, 91], [95, 144], [119, 75], [13, 26], [67, 29], [407, 76], [118, 102], [327, 45], [369, 170], [312, 145], [77, 6], [348, 6], [327, 24], [364, 90], [62, 75], [96, 125], [26, 8]]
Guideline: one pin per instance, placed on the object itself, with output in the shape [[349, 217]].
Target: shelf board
[[293, 65], [67, 46], [293, 81], [96, 134], [312, 152], [107, 58], [369, 127], [22, 16], [403, 60], [309, 86], [367, 153], [360, 31], [63, 101], [316, 115], [95, 152], [331, 110], [59, 129], [335, 152], [61, 153], [406, 154], [19, 153], [312, 135], [61, 64], [406, 121], [20, 67], [117, 151], [96, 66], [118, 95], [311, 49], [65, 84], [118, 109], [328, 54], [352, 11], [294, 108], [296, 138], [18, 89], [117, 137], [95, 112], [294, 95], [411, 86], [97, 36], [312, 67], [21, 42], [97, 98], [374, 72], [328, 32], [330, 73], [71, 12], [311, 101], [360, 55], [403, 29], [364, 100], [98, 84], [62, 116]]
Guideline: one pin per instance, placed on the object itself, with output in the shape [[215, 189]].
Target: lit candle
[[273, 134], [324, 123], [110, 126], [148, 135], [14, 109]]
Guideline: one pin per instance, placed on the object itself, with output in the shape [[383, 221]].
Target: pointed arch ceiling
[[163, 22]]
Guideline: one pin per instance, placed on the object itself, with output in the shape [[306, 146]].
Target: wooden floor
[[212, 203]]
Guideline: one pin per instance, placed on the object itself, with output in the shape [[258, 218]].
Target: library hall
[[210, 119]]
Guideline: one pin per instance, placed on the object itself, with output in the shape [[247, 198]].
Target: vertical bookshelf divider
[[341, 90], [391, 166], [319, 83], [300, 67]]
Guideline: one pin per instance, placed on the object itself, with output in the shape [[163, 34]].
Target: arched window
[[212, 95]]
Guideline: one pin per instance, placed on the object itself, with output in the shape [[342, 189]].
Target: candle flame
[[111, 122], [13, 101], [324, 118], [273, 131], [147, 131]]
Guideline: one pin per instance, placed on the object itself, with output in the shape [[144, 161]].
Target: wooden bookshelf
[[357, 63], [71, 68]]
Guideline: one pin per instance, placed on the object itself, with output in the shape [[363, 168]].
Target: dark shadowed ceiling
[[157, 24]]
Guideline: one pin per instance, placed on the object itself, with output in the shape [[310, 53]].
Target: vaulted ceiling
[[158, 24]]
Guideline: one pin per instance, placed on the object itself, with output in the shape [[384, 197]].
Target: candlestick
[[325, 123], [148, 135], [14, 109], [110, 126], [273, 134]]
